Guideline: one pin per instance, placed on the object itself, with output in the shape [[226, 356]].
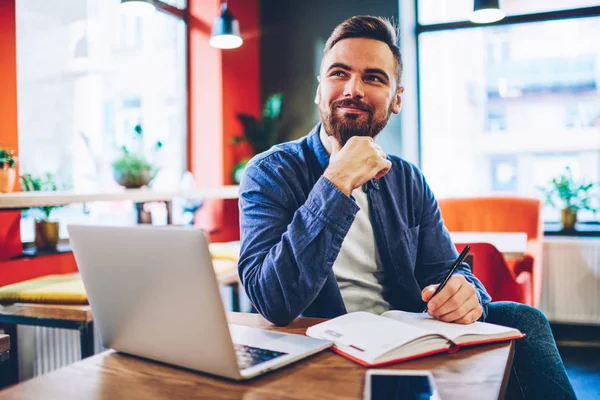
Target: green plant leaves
[[7, 157], [262, 135], [573, 195], [44, 183], [132, 169]]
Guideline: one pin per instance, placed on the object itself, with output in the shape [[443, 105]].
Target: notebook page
[[367, 336], [450, 330]]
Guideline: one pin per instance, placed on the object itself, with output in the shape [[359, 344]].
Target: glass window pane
[[87, 75], [438, 11], [504, 109]]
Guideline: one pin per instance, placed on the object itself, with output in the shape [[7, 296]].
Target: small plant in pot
[[133, 170], [8, 170], [46, 231], [571, 196]]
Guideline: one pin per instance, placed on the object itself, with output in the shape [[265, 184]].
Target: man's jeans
[[538, 371]]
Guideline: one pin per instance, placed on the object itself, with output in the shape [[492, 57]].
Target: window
[[535, 82], [583, 114], [440, 11], [504, 174], [87, 75], [496, 121], [130, 33]]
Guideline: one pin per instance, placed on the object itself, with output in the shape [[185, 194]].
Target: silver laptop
[[154, 294]]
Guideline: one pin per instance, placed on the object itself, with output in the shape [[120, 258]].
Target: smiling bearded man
[[331, 224]]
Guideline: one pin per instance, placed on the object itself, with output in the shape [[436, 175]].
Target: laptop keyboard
[[248, 356]]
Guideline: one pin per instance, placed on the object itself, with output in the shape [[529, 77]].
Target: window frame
[[593, 227]]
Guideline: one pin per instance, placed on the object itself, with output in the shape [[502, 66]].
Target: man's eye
[[373, 78], [338, 73]]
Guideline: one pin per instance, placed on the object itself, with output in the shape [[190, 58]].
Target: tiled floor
[[583, 368], [579, 347]]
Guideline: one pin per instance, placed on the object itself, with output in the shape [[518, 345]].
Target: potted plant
[[46, 231], [260, 134], [8, 170], [133, 170], [572, 196]]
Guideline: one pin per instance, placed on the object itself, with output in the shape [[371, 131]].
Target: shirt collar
[[317, 146]]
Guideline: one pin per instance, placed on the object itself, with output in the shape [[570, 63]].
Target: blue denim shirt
[[293, 222]]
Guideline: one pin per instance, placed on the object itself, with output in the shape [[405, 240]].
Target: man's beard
[[343, 127]]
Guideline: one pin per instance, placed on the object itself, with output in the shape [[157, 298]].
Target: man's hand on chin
[[359, 161], [457, 302]]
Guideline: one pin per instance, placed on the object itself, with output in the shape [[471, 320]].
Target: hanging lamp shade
[[138, 8], [226, 31], [486, 11]]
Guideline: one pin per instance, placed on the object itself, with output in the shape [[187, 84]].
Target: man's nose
[[354, 88]]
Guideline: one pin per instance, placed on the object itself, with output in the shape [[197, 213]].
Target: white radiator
[[571, 280], [42, 350]]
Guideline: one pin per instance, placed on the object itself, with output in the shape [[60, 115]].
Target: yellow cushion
[[225, 251], [69, 289], [55, 289]]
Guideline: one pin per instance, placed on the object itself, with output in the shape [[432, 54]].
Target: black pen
[[459, 260]]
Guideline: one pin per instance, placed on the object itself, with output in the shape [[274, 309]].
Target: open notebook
[[395, 336]]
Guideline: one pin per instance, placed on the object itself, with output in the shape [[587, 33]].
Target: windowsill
[[590, 229], [586, 229]]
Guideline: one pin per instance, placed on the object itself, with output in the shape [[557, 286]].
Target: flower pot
[[568, 219], [46, 235], [132, 180], [8, 176]]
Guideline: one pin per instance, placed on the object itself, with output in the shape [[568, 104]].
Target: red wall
[[10, 228], [223, 83], [18, 270]]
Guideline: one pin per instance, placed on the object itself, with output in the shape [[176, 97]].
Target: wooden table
[[511, 244], [475, 373]]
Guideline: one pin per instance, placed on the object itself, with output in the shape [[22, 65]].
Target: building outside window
[[536, 83], [87, 75]]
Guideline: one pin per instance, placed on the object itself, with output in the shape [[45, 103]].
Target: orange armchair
[[501, 214]]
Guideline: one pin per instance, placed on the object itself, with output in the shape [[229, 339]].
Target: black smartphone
[[389, 384]]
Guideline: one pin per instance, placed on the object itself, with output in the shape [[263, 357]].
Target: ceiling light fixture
[[226, 30]]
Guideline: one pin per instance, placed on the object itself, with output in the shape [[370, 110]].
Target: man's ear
[[398, 100], [318, 94]]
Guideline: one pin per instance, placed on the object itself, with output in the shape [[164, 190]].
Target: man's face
[[358, 89]]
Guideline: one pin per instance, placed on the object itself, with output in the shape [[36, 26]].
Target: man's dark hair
[[368, 27]]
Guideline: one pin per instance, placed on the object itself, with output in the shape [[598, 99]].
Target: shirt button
[[348, 219]]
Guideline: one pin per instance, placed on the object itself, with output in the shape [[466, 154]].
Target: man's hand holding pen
[[456, 302]]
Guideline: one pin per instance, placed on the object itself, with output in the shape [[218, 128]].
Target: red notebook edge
[[490, 341], [394, 361], [452, 349]]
